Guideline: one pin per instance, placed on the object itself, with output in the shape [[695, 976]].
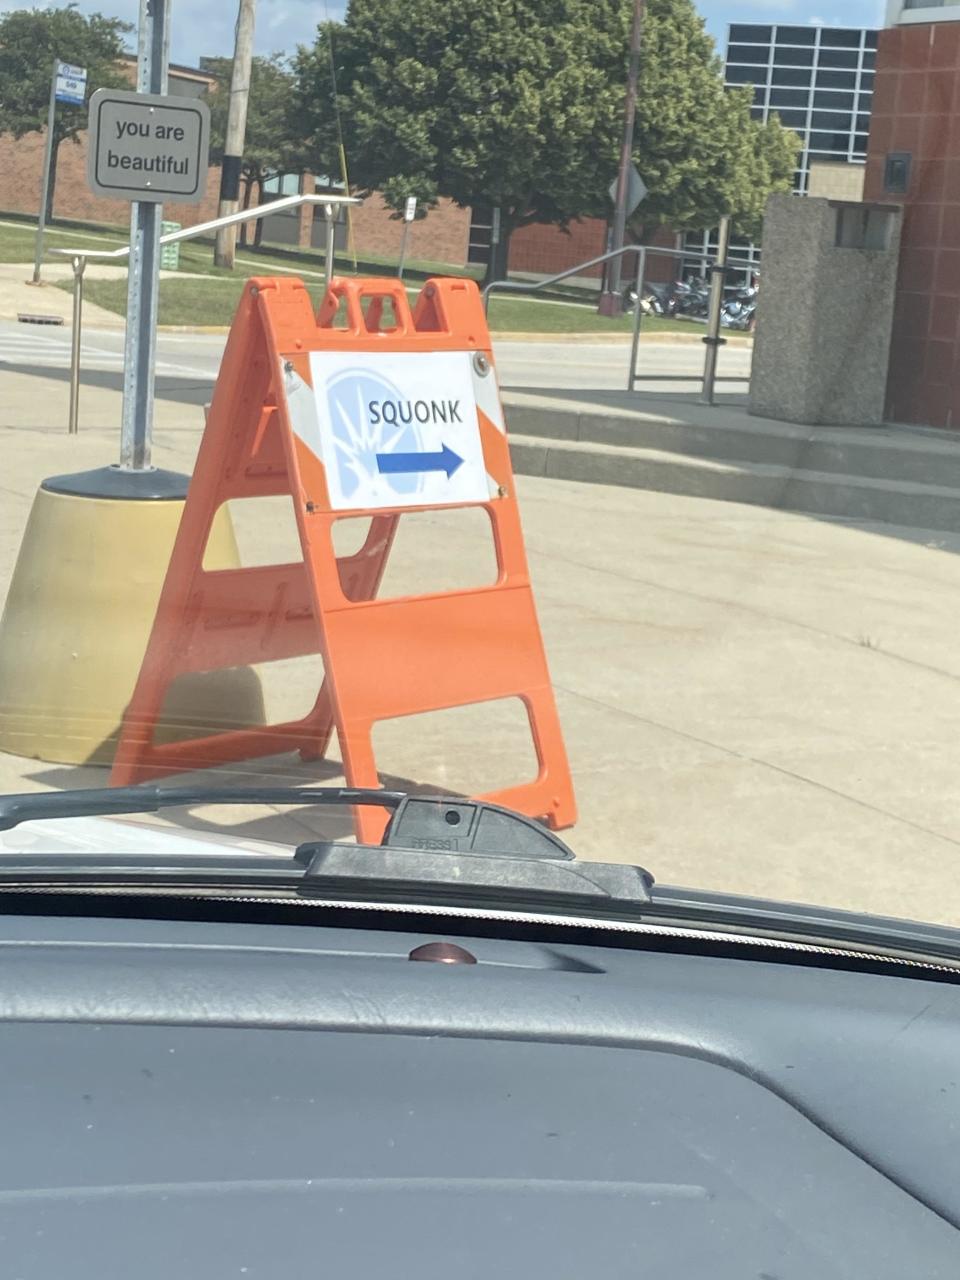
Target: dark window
[[836, 80], [865, 102], [791, 75], [793, 119], [866, 80], [835, 143], [833, 101], [744, 75], [796, 35], [839, 57], [793, 57], [750, 34], [860, 143], [800, 181], [869, 59], [831, 120], [863, 124], [896, 173], [756, 113], [788, 98], [759, 97], [870, 39], [748, 53], [839, 38]]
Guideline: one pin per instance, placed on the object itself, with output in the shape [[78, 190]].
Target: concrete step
[[724, 435], [828, 493]]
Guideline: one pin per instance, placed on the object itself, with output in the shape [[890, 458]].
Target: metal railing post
[[78, 263], [79, 259], [331, 230], [718, 275], [637, 317]]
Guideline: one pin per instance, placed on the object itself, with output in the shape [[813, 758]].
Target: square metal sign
[[150, 147]]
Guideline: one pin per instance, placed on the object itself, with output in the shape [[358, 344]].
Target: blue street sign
[[71, 84]]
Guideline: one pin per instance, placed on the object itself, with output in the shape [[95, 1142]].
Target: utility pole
[[45, 189], [223, 255], [611, 302]]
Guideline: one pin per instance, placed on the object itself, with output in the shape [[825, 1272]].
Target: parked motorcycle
[[739, 310]]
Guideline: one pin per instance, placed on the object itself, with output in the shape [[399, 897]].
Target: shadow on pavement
[[181, 390]]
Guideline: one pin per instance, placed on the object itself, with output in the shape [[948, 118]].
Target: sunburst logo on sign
[[363, 435]]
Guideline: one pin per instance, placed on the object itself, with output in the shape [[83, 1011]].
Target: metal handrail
[[711, 338], [79, 257]]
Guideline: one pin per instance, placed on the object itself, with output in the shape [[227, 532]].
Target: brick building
[[442, 236], [914, 160]]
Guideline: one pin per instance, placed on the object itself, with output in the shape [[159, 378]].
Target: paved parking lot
[[752, 700]]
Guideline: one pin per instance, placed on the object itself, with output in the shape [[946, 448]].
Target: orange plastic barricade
[[354, 419]]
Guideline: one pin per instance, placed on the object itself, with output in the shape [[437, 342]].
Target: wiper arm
[[435, 850], [106, 801]]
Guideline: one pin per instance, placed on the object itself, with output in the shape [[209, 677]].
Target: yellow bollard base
[[79, 612]]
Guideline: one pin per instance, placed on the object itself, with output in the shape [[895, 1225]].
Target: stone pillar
[[825, 311]]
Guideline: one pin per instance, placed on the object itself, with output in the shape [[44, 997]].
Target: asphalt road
[[581, 365]]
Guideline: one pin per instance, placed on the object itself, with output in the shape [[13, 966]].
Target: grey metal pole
[[140, 342], [610, 301], [78, 263], [637, 315], [714, 342], [331, 230], [403, 248], [45, 185]]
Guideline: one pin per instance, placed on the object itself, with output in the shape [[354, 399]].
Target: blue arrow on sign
[[405, 463]]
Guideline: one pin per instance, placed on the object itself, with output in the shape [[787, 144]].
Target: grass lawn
[[213, 302], [213, 299], [17, 245]]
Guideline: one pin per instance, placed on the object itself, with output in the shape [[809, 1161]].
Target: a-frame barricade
[[352, 419]]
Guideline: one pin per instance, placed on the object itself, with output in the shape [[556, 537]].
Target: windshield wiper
[[435, 849], [105, 801]]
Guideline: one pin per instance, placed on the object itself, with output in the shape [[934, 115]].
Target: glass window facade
[[818, 80]]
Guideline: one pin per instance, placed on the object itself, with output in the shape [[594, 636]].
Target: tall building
[[819, 81], [914, 161]]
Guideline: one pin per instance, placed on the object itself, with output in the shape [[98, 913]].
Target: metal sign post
[[718, 274], [143, 280], [409, 213], [67, 84]]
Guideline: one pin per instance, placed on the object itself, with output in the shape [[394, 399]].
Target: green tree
[[695, 143], [268, 149], [30, 41], [490, 102], [314, 107]]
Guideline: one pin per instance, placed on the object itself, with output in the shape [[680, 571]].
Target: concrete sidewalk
[[753, 700]]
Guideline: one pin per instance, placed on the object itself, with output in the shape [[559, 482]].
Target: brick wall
[[546, 250], [915, 103], [442, 236], [21, 169]]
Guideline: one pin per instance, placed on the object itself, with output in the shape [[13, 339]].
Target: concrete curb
[[885, 475], [580, 339], [622, 339]]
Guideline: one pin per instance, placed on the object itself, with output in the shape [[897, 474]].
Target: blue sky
[[200, 27]]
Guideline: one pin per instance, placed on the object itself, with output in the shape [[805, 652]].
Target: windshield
[[549, 403]]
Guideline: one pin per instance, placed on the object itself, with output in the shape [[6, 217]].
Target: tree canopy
[[268, 148], [695, 143], [519, 103], [30, 41]]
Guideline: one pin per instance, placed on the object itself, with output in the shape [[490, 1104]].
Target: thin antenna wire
[[340, 147]]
